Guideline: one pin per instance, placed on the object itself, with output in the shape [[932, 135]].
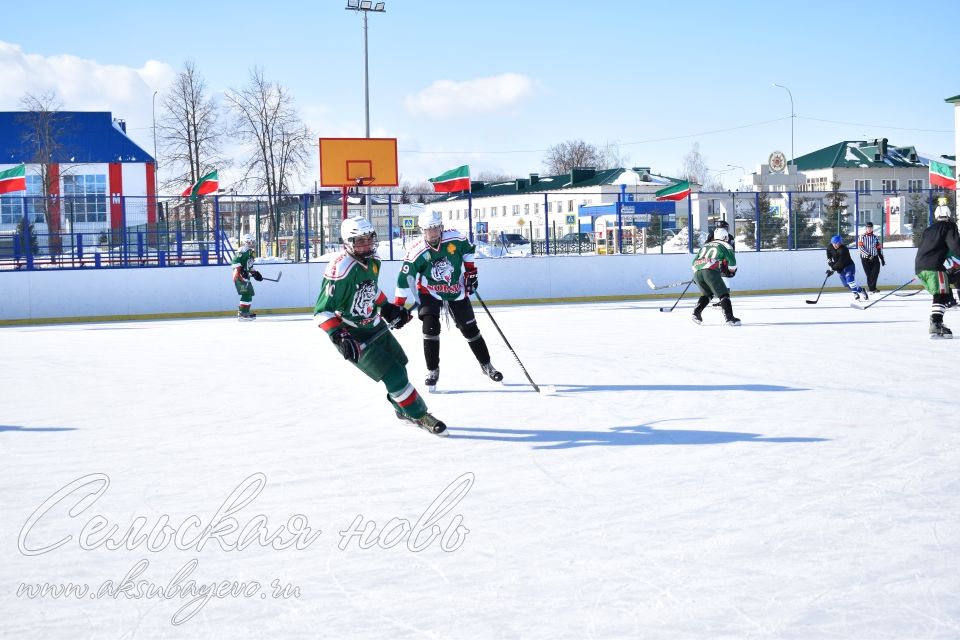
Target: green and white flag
[[454, 180], [676, 191], [207, 184], [13, 179], [942, 175]]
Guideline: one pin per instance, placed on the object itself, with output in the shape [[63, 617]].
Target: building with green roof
[[527, 205]]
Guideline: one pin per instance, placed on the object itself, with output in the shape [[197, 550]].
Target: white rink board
[[104, 293]]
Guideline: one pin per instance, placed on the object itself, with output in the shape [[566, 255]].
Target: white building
[[531, 206]]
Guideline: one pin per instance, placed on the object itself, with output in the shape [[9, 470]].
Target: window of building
[[866, 215], [85, 198], [503, 211], [11, 205], [526, 209], [536, 208], [569, 206], [889, 186], [862, 186], [914, 186], [516, 209]]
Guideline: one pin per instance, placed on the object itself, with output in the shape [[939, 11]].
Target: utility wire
[[620, 144], [875, 126]]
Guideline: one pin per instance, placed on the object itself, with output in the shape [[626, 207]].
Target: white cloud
[[446, 98], [86, 85]]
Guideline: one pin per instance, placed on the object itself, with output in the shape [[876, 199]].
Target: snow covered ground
[[795, 477]]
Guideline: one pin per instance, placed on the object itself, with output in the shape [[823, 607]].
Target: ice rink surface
[[795, 477]]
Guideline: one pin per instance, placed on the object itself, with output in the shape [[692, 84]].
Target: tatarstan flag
[[454, 180], [942, 175], [207, 184], [13, 179], [674, 192]]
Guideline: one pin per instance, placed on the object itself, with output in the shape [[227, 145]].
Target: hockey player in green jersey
[[438, 272], [932, 264], [356, 315], [242, 272], [715, 260]]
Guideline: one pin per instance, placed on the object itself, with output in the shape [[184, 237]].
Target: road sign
[[408, 223], [571, 219]]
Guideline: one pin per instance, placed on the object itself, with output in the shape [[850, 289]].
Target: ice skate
[[431, 380], [245, 316], [856, 296], [728, 313], [940, 332], [865, 296], [490, 372], [696, 318], [429, 423]]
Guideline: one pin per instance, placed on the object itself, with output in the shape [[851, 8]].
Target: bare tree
[[611, 157], [495, 176], [695, 170], [265, 119], [189, 130], [43, 130], [563, 157]]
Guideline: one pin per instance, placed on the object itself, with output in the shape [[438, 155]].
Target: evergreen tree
[[803, 231], [772, 231], [34, 242], [917, 215], [837, 217]]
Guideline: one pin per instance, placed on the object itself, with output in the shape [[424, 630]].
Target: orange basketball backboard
[[351, 162]]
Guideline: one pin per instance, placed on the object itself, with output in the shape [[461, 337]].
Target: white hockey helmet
[[246, 240], [353, 230], [721, 234], [431, 225]]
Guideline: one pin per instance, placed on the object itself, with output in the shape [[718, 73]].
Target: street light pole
[[742, 171], [792, 117], [365, 7]]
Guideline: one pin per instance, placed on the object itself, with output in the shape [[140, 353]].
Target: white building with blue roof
[[91, 175]]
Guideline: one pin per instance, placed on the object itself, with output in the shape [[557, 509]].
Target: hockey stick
[[507, 342], [666, 286], [379, 334], [277, 279], [677, 301], [863, 307], [912, 293], [821, 290]]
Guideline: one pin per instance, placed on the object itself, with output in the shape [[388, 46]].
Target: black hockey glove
[[470, 280], [395, 315], [726, 273], [882, 261], [256, 275], [829, 272], [347, 345]]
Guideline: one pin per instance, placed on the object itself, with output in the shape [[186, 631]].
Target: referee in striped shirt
[[871, 256]]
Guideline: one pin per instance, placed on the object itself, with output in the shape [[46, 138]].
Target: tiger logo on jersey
[[363, 299], [442, 271]]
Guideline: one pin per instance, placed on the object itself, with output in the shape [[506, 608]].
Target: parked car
[[584, 237], [510, 239]]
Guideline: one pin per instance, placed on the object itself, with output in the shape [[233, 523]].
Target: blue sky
[[494, 84]]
